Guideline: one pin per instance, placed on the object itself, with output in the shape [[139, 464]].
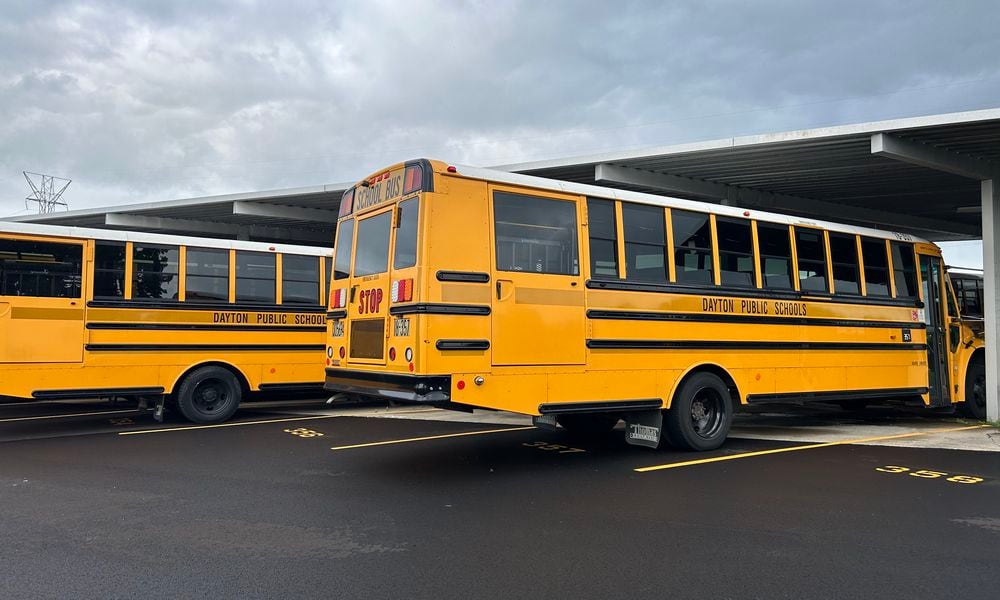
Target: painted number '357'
[[369, 301]]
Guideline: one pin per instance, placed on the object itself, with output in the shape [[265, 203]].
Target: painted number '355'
[[369, 301]]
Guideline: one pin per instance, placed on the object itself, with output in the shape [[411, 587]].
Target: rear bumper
[[423, 389]]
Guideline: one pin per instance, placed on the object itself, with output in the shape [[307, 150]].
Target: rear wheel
[[209, 395], [975, 391], [701, 414], [588, 424]]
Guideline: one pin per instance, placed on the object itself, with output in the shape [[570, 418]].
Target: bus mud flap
[[643, 428], [547, 422]]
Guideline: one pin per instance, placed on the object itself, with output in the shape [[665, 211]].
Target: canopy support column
[[991, 286]]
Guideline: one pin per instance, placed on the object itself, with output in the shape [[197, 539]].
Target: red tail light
[[347, 203], [401, 290], [413, 179], [338, 298]]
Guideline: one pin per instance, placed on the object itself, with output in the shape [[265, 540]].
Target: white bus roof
[[11, 227], [596, 191]]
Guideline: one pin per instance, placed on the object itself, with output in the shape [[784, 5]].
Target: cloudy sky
[[153, 100]]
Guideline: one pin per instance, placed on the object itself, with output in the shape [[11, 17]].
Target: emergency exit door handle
[[500, 289]]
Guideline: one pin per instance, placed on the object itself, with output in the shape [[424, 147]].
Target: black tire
[[209, 395], [588, 424], [975, 391], [701, 414]]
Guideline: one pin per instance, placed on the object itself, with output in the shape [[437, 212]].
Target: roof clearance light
[[347, 203], [452, 169], [413, 179]]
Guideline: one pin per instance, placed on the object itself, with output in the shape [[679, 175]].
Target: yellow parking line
[[190, 427], [239, 424], [702, 461], [431, 437], [86, 414]]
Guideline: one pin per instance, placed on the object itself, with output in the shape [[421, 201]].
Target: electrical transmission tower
[[46, 191]]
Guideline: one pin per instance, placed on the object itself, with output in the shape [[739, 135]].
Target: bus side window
[[952, 301], [735, 252], [535, 235], [40, 269], [155, 272], [207, 278], [775, 256], [603, 231], [344, 241], [109, 269], [904, 270], [644, 230], [692, 247], [970, 294], [255, 277], [811, 253], [876, 266], [299, 279], [844, 256]]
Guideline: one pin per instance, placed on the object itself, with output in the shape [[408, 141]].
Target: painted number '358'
[[369, 301]]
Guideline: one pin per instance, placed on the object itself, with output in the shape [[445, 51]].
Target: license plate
[[401, 328], [338, 329]]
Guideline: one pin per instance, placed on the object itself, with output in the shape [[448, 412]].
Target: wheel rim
[[211, 396], [707, 413], [979, 391]]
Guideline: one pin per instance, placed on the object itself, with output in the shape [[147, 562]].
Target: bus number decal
[[370, 301], [338, 329], [401, 327]]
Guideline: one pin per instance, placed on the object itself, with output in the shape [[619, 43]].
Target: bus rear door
[[538, 306], [368, 302], [41, 301]]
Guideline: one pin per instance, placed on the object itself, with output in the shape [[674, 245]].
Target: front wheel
[[701, 414], [209, 395], [975, 391]]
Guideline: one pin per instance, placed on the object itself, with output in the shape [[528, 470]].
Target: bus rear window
[[406, 235], [372, 253], [345, 239]]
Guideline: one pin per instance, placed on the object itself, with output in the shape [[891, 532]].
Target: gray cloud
[[154, 100]]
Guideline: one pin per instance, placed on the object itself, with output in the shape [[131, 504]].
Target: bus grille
[[368, 338]]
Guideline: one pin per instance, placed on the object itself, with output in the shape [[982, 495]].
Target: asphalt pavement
[[299, 501]]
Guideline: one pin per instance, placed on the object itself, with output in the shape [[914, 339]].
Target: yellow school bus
[[583, 305], [195, 322]]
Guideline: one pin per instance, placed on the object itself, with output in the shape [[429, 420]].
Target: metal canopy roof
[[831, 173], [863, 174], [305, 215]]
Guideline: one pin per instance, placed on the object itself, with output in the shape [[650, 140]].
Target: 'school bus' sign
[[382, 188]]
